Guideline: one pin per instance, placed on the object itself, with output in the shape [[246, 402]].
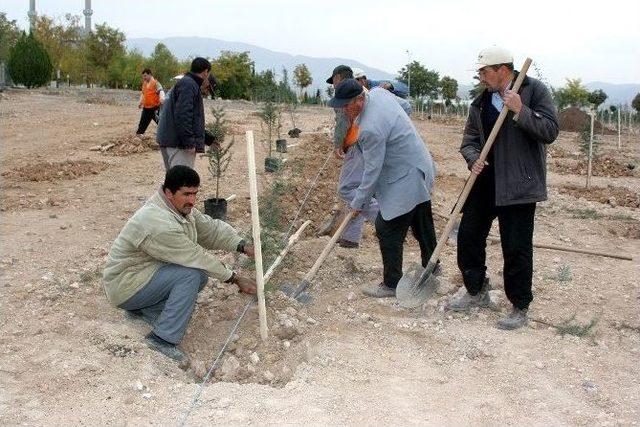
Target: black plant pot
[[281, 145], [272, 164], [294, 133], [216, 208]]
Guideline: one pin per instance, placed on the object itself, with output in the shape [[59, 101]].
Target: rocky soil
[[69, 358]]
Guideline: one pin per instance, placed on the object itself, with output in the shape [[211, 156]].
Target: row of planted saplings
[[219, 153]]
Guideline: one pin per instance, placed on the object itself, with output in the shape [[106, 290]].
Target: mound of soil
[[614, 196], [127, 144], [247, 359], [300, 174], [601, 166], [54, 171], [629, 228], [575, 120]]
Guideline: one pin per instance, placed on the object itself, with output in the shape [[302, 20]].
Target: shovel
[[416, 286], [299, 292]]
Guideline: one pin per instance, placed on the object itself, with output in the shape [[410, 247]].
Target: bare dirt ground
[[68, 358]]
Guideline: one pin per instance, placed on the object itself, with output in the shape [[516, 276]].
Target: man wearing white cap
[[509, 183]]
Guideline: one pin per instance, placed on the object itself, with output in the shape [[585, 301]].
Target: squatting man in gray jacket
[[509, 183], [160, 260]]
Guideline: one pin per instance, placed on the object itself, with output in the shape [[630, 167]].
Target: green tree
[[424, 82], [219, 154], [449, 89], [264, 86], [636, 102], [597, 97], [125, 71], [234, 73], [284, 88], [302, 77], [29, 62], [103, 46], [329, 91], [477, 88], [163, 64], [65, 44], [573, 94], [270, 116], [9, 35]]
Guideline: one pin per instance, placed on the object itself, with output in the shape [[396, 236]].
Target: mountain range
[[320, 68]]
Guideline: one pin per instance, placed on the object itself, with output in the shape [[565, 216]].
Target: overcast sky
[[565, 38]]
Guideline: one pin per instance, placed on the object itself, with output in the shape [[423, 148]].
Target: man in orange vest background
[[150, 100]]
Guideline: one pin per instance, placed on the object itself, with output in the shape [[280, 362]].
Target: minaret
[[32, 15], [87, 16]]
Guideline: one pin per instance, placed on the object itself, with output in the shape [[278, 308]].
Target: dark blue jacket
[[181, 123]]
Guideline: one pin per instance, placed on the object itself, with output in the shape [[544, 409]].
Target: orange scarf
[[351, 138]]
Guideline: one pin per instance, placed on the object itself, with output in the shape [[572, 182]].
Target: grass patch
[[575, 328], [585, 213], [563, 274]]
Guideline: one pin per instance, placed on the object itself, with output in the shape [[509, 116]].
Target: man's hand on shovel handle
[[478, 166], [512, 100]]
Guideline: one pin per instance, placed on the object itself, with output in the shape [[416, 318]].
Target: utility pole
[[409, 72], [87, 16], [32, 15]]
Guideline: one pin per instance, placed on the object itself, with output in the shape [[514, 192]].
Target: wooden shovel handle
[[472, 176], [328, 247]]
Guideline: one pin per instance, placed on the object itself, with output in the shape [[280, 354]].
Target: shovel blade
[[294, 292], [413, 292]]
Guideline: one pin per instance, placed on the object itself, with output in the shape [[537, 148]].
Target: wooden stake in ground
[[590, 160], [619, 130], [255, 219]]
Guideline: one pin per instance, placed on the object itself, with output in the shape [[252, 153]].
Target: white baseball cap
[[358, 73], [493, 55]]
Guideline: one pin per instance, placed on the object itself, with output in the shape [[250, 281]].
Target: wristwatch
[[232, 279]]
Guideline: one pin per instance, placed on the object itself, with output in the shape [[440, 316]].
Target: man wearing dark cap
[[181, 132], [398, 171]]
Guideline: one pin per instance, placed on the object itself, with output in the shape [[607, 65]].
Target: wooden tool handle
[[328, 247], [292, 240], [569, 249]]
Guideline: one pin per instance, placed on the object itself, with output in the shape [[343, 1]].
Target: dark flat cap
[[345, 92], [339, 70]]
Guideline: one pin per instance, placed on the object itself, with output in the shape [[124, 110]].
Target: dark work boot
[[463, 301], [514, 320], [170, 350], [379, 290]]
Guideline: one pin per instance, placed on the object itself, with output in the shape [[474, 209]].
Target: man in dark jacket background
[[181, 132], [509, 183]]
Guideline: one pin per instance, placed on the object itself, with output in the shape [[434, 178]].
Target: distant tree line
[[425, 84], [59, 49]]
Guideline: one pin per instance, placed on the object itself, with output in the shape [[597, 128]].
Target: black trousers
[[516, 237], [392, 234], [147, 115]]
